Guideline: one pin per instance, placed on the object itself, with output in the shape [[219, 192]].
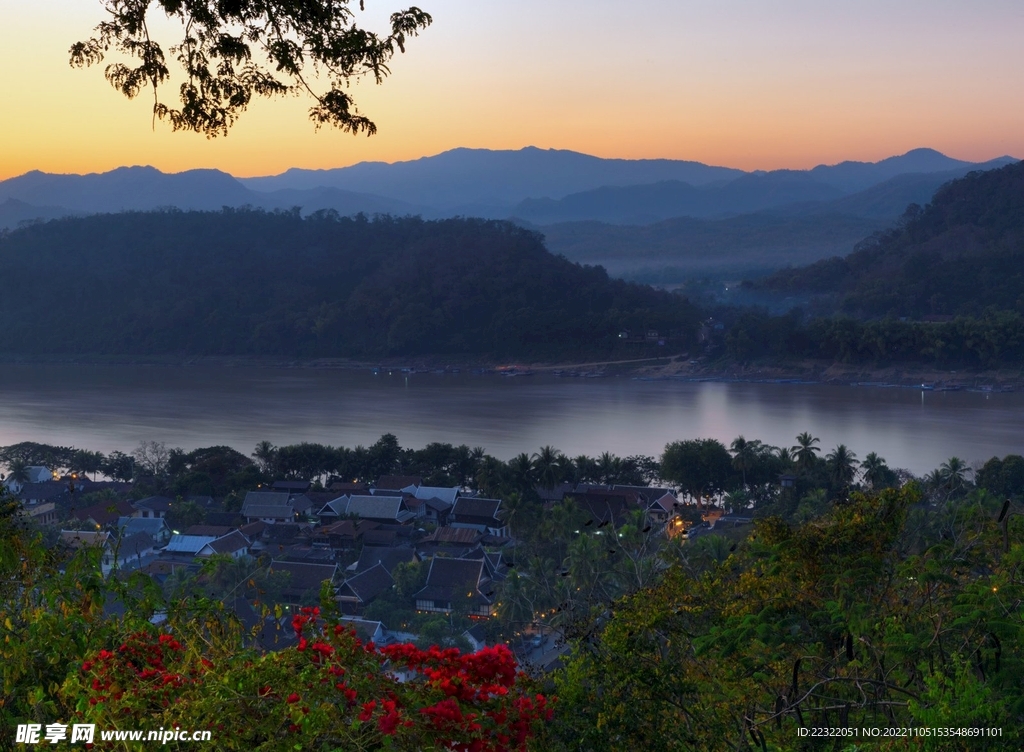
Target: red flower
[[292, 698], [367, 712], [388, 723]]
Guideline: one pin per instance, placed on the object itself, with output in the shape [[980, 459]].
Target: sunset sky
[[742, 83]]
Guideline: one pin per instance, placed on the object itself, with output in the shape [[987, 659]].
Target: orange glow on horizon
[[737, 85]]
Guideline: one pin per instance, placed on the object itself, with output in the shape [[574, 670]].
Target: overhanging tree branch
[[216, 53]]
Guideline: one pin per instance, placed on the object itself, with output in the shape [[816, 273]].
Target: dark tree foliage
[[701, 467], [959, 256], [210, 471], [257, 283], [233, 50], [992, 340], [1003, 477], [33, 453]]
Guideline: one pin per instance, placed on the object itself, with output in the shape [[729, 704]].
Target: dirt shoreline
[[674, 368]]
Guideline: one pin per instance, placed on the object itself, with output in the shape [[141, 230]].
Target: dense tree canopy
[[251, 282], [233, 50]]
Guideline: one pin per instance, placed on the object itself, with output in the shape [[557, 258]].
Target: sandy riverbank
[[678, 367]]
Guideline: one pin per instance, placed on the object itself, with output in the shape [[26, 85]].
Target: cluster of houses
[[350, 535]]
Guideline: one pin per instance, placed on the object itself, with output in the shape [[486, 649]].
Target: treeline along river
[[115, 407]]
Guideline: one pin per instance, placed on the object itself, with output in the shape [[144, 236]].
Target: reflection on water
[[115, 407]]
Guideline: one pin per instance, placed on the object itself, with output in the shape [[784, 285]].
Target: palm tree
[[584, 469], [18, 471], [512, 512], [874, 471], [785, 455], [842, 465], [548, 466], [744, 455], [520, 470], [954, 473], [608, 468], [804, 450], [265, 455], [515, 606]]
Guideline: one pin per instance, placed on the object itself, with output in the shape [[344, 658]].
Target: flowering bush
[[329, 691]]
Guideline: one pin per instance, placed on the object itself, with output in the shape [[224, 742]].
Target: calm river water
[[115, 407]]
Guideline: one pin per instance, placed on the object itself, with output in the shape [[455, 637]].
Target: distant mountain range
[[547, 189]]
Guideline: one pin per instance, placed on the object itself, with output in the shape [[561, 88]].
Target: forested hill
[[960, 255], [243, 282]]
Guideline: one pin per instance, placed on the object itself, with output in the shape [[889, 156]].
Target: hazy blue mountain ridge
[[541, 186], [466, 177], [816, 214]]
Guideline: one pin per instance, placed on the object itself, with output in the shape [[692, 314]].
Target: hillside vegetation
[[960, 255], [943, 288], [256, 283]]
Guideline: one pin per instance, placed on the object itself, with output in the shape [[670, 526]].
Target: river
[[115, 407]]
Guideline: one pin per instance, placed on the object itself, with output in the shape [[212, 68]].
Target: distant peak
[[923, 151]]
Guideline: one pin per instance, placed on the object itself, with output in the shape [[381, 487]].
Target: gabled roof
[[291, 486], [305, 576], [253, 530], [104, 512], [367, 585], [50, 490], [477, 509], [319, 498], [269, 634], [379, 537], [287, 533], [554, 494], [437, 492], [268, 512], [438, 505], [226, 544], [347, 528], [389, 558], [301, 503], [266, 500], [454, 579], [666, 503], [307, 553], [135, 544], [650, 493], [454, 536], [629, 494], [231, 519], [83, 538], [607, 507], [152, 525], [215, 530], [340, 486], [188, 544], [334, 507], [378, 508], [398, 482], [154, 504], [366, 630]]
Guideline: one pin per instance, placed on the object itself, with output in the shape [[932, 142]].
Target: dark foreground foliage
[[886, 613]]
